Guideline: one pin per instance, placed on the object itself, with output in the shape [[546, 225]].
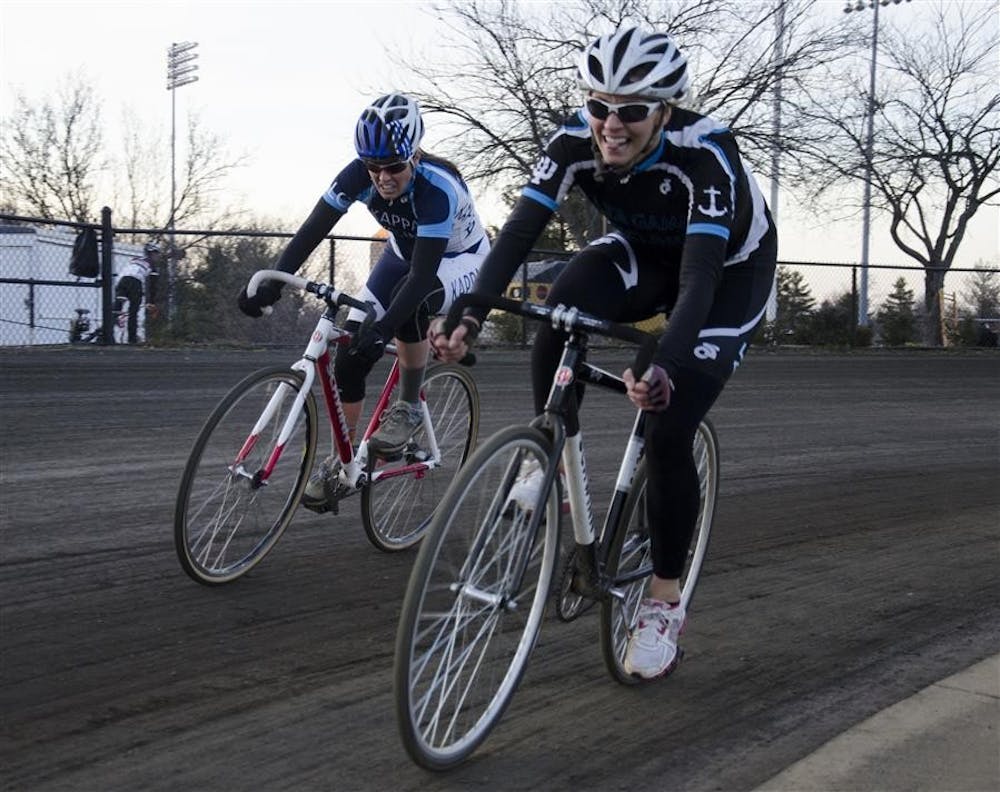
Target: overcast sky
[[284, 83]]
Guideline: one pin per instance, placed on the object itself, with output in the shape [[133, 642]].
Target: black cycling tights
[[672, 488], [592, 284], [352, 371]]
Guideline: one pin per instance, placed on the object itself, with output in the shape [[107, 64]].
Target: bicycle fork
[[316, 348]]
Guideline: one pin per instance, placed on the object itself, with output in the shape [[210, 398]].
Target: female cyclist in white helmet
[[691, 232]]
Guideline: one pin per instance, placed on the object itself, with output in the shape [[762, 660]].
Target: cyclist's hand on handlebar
[[368, 343], [652, 392], [268, 293], [455, 347]]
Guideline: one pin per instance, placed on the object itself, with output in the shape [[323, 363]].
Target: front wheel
[[397, 507], [629, 560], [239, 490], [475, 599]]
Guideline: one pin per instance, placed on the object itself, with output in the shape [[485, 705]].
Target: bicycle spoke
[[630, 553], [474, 606], [396, 509], [225, 521]]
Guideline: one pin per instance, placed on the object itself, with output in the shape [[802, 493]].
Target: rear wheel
[[228, 516], [475, 601], [629, 554], [397, 508]]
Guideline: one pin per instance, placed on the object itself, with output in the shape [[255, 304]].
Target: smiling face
[[391, 179], [623, 142]]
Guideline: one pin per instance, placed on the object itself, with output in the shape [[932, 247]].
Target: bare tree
[[508, 74], [54, 165], [204, 168], [51, 150], [143, 183], [936, 149], [141, 200]]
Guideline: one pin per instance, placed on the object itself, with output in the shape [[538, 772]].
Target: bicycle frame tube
[[574, 460], [334, 404], [633, 453], [581, 507], [429, 429], [383, 402], [383, 399]]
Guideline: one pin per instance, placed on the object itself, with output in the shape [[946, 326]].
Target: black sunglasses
[[374, 166], [628, 113]]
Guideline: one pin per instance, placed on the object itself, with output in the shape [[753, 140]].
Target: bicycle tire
[[629, 551], [474, 603], [397, 509], [225, 521]]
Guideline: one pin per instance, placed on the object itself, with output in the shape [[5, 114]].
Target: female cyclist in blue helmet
[[435, 246]]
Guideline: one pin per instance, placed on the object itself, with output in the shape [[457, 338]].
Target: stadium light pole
[[771, 310], [866, 212], [180, 71]]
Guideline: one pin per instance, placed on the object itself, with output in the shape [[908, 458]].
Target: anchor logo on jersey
[[711, 210]]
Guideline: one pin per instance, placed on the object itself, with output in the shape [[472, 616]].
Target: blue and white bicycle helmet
[[390, 128], [634, 62]]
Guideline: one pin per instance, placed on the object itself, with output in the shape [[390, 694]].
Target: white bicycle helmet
[[634, 62], [389, 128]]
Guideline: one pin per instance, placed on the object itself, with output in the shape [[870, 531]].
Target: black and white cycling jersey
[[687, 219], [436, 204]]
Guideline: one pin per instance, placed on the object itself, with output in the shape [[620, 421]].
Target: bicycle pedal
[[416, 454]]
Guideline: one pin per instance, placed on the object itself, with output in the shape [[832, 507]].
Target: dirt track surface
[[853, 562]]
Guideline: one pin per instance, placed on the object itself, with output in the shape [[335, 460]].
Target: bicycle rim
[[630, 552], [474, 604], [396, 510], [225, 520]]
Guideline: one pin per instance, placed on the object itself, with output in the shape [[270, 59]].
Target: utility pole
[[180, 71], [866, 216], [771, 311]]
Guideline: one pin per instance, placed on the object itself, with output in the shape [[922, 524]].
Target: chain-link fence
[[40, 301], [203, 272], [891, 310]]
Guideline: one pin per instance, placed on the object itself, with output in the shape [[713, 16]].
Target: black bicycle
[[479, 587], [82, 330]]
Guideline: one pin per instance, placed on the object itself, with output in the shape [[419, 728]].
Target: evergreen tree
[[794, 310], [207, 310], [980, 315], [896, 318], [832, 324]]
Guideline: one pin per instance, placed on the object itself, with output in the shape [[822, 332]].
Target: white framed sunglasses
[[627, 112]]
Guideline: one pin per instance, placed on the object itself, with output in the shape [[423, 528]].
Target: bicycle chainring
[[569, 604]]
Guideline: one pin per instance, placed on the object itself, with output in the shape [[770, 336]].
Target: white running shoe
[[652, 648], [528, 484]]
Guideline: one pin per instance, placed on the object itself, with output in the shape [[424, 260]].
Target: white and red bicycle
[[253, 457]]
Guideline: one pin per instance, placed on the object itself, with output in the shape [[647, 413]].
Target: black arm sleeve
[[319, 223], [525, 224], [419, 282], [700, 276]]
